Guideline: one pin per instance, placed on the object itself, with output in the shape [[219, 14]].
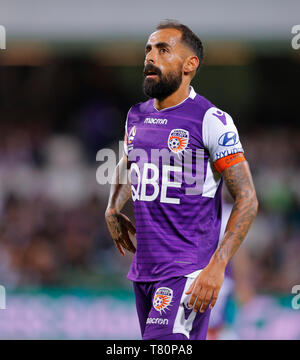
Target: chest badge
[[178, 140]]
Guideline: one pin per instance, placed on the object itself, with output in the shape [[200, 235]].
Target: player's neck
[[176, 98]]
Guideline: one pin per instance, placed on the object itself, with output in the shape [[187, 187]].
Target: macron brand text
[[156, 121]]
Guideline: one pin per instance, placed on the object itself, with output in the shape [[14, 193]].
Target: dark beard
[[162, 87]]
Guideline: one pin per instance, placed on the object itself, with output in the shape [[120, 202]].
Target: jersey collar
[[192, 95]]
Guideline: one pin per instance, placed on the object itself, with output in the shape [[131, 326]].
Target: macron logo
[[158, 321], [155, 121]]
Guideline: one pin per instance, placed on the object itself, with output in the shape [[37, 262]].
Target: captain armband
[[227, 161]]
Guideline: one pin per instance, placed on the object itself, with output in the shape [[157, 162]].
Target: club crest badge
[[162, 299], [178, 140], [131, 135]]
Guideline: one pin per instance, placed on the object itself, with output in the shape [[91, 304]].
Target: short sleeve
[[221, 139], [126, 135]]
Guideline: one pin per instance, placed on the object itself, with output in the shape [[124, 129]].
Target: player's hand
[[119, 225], [205, 288]]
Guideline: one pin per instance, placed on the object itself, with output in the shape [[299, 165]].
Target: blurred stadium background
[[69, 74]]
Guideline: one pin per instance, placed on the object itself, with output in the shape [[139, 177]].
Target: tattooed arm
[[119, 224], [208, 283], [240, 185]]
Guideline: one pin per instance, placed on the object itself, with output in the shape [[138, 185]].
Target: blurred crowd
[[274, 238], [51, 222]]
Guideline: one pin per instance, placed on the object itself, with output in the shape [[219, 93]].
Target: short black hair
[[187, 37]]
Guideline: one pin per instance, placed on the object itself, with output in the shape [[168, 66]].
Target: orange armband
[[229, 160]]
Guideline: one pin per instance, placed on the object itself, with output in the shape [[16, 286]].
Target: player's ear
[[190, 64]]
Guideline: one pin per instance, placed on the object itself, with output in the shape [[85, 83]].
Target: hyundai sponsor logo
[[230, 138], [224, 153]]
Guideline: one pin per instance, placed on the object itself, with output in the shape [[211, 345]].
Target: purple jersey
[[176, 194]]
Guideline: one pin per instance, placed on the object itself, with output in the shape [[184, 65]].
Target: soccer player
[[178, 267]]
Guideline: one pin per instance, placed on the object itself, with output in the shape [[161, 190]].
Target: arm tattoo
[[240, 185], [124, 193], [119, 193]]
